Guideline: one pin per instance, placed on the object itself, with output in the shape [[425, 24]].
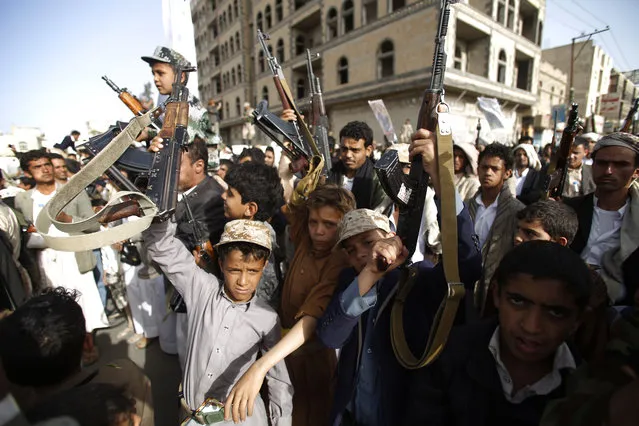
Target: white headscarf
[[533, 158]]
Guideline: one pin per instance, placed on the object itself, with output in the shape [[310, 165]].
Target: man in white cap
[[609, 217]]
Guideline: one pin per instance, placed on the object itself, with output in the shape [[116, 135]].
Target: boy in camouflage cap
[[371, 385], [227, 325], [164, 63]]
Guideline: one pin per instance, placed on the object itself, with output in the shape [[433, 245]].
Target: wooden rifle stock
[[629, 118], [120, 211], [280, 91], [558, 168]]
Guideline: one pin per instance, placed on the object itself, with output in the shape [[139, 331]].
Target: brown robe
[[308, 289]]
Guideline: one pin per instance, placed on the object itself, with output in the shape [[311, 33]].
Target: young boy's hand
[[241, 399], [390, 252], [425, 144]]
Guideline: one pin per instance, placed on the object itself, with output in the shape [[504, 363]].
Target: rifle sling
[[301, 123], [78, 240], [445, 316]]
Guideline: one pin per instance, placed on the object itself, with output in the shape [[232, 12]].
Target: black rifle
[[157, 173], [409, 191], [319, 120], [202, 245], [630, 117], [558, 168]]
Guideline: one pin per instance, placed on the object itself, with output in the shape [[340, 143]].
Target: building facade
[[591, 72], [616, 104], [377, 49]]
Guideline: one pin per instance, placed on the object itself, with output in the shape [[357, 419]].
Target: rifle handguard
[[308, 182]]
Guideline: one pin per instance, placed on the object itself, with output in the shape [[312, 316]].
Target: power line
[[620, 51], [552, 18], [589, 13]]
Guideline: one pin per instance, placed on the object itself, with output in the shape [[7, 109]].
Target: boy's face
[[521, 159], [233, 206], [530, 231], [322, 227], [535, 317], [221, 172], [577, 154], [358, 247], [241, 275], [492, 172], [163, 77], [269, 158], [460, 160]]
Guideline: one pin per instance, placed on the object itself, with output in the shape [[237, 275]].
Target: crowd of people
[[281, 311]]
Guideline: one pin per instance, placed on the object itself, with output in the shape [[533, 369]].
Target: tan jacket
[[79, 208]]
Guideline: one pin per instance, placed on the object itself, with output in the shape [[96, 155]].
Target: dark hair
[[227, 163], [580, 140], [73, 166], [41, 342], [546, 259], [548, 145], [270, 149], [198, 151], [54, 156], [75, 132], [93, 404], [357, 130], [332, 196], [33, 155], [525, 139], [557, 219], [498, 150], [98, 202], [27, 181], [255, 154], [258, 183], [248, 250]]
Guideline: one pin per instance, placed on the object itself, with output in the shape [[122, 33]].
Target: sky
[[55, 51]]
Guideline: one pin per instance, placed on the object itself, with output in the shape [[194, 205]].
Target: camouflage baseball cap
[[361, 220], [248, 231], [168, 56]]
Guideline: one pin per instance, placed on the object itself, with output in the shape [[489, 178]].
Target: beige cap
[[248, 231], [361, 220], [402, 151]]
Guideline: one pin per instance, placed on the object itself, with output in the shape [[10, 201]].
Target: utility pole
[[573, 58]]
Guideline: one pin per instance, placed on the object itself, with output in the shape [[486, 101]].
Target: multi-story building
[[552, 91], [591, 72], [371, 49], [616, 104]]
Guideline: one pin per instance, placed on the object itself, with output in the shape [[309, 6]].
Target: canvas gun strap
[[78, 240], [445, 316], [305, 130]]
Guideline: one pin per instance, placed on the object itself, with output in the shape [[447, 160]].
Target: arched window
[[279, 15], [218, 85], [267, 16], [232, 44], [301, 88], [501, 67], [259, 23], [265, 93], [236, 8], [386, 60], [511, 15], [238, 46], [223, 81], [342, 70], [226, 107], [280, 50], [233, 82], [369, 11], [226, 48], [331, 23], [394, 5], [299, 45], [230, 14], [238, 109], [348, 22], [260, 60], [239, 73], [224, 20]]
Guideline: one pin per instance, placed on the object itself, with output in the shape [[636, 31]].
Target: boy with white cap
[[227, 325], [371, 383]]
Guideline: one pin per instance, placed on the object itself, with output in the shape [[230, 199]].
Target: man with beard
[[609, 217], [354, 171], [59, 168], [526, 173]]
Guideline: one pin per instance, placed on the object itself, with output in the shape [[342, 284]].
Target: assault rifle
[[202, 244], [157, 172], [319, 120], [630, 117], [409, 193], [132, 102], [553, 141], [303, 144], [558, 168]]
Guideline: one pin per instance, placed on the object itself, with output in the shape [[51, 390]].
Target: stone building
[[372, 49], [552, 91], [616, 104], [592, 68]]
